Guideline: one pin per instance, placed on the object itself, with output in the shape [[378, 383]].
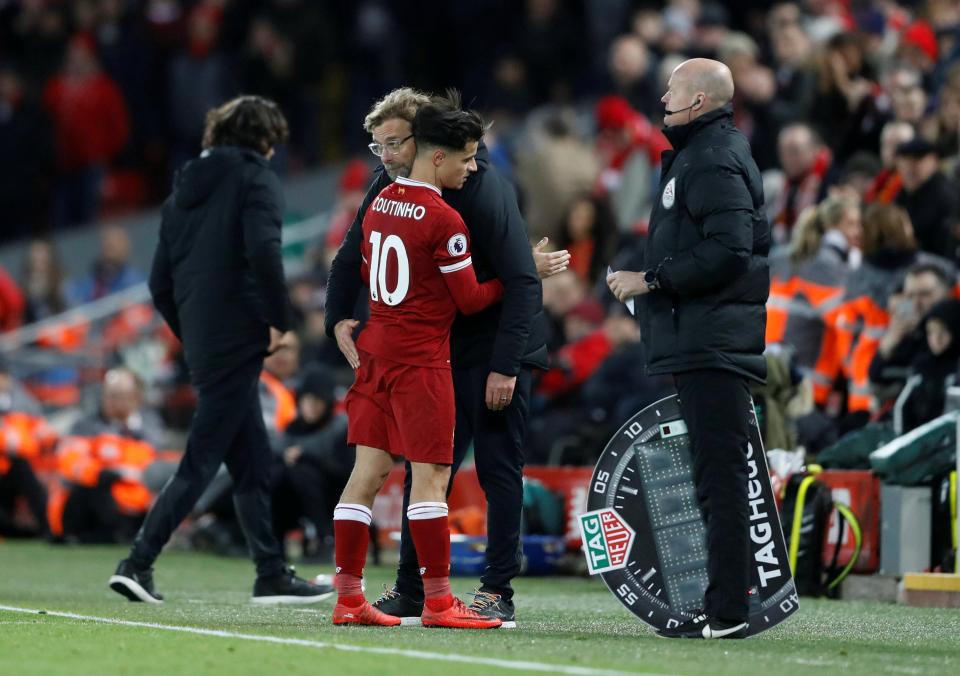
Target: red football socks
[[431, 537], [351, 530]]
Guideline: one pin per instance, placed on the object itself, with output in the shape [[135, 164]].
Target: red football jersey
[[417, 265]]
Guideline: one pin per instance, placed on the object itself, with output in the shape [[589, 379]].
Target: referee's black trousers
[[715, 405], [497, 438], [226, 428]]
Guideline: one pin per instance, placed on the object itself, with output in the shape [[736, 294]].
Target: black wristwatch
[[651, 279]]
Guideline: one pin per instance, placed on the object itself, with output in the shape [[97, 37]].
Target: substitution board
[[644, 533]]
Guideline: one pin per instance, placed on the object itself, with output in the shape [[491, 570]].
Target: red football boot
[[458, 616], [365, 614]]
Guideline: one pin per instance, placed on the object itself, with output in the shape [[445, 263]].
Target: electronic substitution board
[[644, 533]]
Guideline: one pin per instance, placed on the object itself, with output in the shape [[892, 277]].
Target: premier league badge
[[644, 534]]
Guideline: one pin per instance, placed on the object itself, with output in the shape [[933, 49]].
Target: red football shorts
[[408, 411]]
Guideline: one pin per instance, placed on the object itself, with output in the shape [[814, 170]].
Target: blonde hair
[[401, 103], [813, 223]]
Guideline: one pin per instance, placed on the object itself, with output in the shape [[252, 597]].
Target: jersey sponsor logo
[[391, 207], [457, 245], [669, 194], [607, 540]]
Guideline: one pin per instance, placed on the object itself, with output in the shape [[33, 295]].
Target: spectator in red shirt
[[11, 302], [888, 183], [91, 126], [629, 148]]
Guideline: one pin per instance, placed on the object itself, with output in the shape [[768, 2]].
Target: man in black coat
[[218, 281], [704, 288], [929, 197], [491, 352]]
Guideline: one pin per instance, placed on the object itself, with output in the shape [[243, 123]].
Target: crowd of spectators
[[852, 109]]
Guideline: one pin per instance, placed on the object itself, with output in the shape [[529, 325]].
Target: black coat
[[507, 335], [217, 275], [709, 240], [933, 210]]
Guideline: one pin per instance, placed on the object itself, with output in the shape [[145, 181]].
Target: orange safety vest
[[861, 324], [81, 459], [863, 319], [802, 308], [129, 323], [57, 495], [799, 299], [829, 363], [65, 337], [25, 436], [284, 403]]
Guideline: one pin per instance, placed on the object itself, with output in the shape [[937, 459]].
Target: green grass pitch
[[564, 624]]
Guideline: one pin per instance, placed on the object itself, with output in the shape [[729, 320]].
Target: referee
[[704, 288], [492, 352]]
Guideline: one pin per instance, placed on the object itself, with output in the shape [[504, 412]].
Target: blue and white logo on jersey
[[457, 245]]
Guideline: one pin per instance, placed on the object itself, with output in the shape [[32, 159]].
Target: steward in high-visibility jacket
[[277, 400], [104, 494], [863, 318], [807, 285], [26, 442], [26, 447], [108, 496]]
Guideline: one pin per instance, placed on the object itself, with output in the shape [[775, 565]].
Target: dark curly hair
[[246, 121], [442, 123]]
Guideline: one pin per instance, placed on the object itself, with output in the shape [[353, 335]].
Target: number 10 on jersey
[[380, 254]]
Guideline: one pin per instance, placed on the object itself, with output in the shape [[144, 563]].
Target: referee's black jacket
[[507, 335], [708, 240], [217, 275]]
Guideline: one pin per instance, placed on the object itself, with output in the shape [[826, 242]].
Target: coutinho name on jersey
[[391, 207]]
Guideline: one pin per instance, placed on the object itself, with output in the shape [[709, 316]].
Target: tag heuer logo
[[607, 540]]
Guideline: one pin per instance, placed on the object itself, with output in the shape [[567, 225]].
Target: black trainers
[[136, 585], [400, 605], [702, 626], [494, 606], [288, 589]]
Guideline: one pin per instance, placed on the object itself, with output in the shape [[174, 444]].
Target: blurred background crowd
[[852, 108]]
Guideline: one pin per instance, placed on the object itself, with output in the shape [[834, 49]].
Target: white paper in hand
[[629, 303]]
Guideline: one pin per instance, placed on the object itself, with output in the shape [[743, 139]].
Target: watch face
[[650, 277], [644, 532]]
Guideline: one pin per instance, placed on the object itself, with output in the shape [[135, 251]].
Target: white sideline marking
[[345, 647]]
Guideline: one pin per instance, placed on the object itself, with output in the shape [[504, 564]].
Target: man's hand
[[625, 284], [549, 263], [343, 332], [291, 455], [499, 390], [903, 319], [279, 339]]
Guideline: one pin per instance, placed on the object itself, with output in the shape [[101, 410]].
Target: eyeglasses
[[393, 146]]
